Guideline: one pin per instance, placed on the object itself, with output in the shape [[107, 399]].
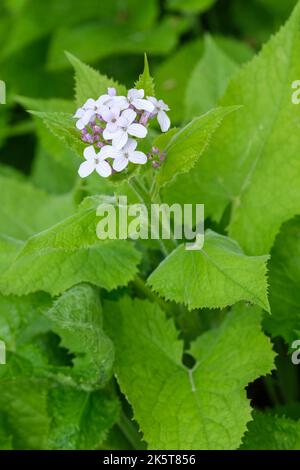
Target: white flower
[[97, 161], [128, 154], [110, 116], [125, 127], [159, 108], [135, 98], [86, 113]]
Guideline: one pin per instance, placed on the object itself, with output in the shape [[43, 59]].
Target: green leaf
[[209, 79], [145, 81], [216, 276], [284, 280], [269, 432], [251, 159], [26, 210], [76, 317], [89, 82], [185, 147], [120, 39], [205, 407], [69, 253], [62, 126]]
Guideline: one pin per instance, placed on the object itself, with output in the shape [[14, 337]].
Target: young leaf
[[209, 79], [218, 275], [270, 432], [205, 407], [251, 159], [145, 81], [89, 82], [188, 144]]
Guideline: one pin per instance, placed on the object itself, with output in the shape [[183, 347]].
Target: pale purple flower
[[135, 99], [86, 113], [160, 108], [128, 154], [97, 161], [126, 126], [110, 116]]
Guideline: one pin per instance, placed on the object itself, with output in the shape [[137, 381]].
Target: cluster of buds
[[111, 124], [156, 156]]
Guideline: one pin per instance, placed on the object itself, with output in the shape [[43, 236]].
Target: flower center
[[96, 161]]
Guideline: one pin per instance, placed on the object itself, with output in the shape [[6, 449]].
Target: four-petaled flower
[[136, 99], [129, 154], [86, 113], [160, 108], [97, 161], [125, 127]]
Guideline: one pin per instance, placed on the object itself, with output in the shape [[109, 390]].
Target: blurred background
[[112, 35]]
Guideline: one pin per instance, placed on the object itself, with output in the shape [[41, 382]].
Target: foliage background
[[57, 390]]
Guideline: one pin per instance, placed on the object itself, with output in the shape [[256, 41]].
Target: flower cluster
[[111, 124]]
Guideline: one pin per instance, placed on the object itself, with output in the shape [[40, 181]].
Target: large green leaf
[[69, 253], [208, 80], [26, 210], [218, 275], [251, 163], [284, 280], [205, 407], [270, 432]]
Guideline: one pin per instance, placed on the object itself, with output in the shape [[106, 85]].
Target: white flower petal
[[108, 135], [108, 151], [144, 105], [79, 113], [120, 139], [130, 146], [80, 124], [134, 94], [137, 130], [103, 169], [112, 127], [127, 117], [111, 91], [86, 168], [90, 104], [153, 100], [89, 153], [120, 163], [138, 157], [106, 113], [164, 121]]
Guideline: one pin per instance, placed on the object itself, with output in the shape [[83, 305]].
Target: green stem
[[130, 432], [141, 286], [147, 199]]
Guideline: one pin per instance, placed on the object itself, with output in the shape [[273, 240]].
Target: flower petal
[[137, 130], [127, 117], [86, 168], [130, 146], [89, 153], [112, 127], [103, 169], [120, 163], [134, 94], [108, 135], [138, 157], [164, 121], [106, 113], [108, 151], [143, 104], [79, 113], [120, 139]]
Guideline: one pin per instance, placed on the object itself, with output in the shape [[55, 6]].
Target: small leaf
[[89, 82], [187, 145], [145, 81]]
